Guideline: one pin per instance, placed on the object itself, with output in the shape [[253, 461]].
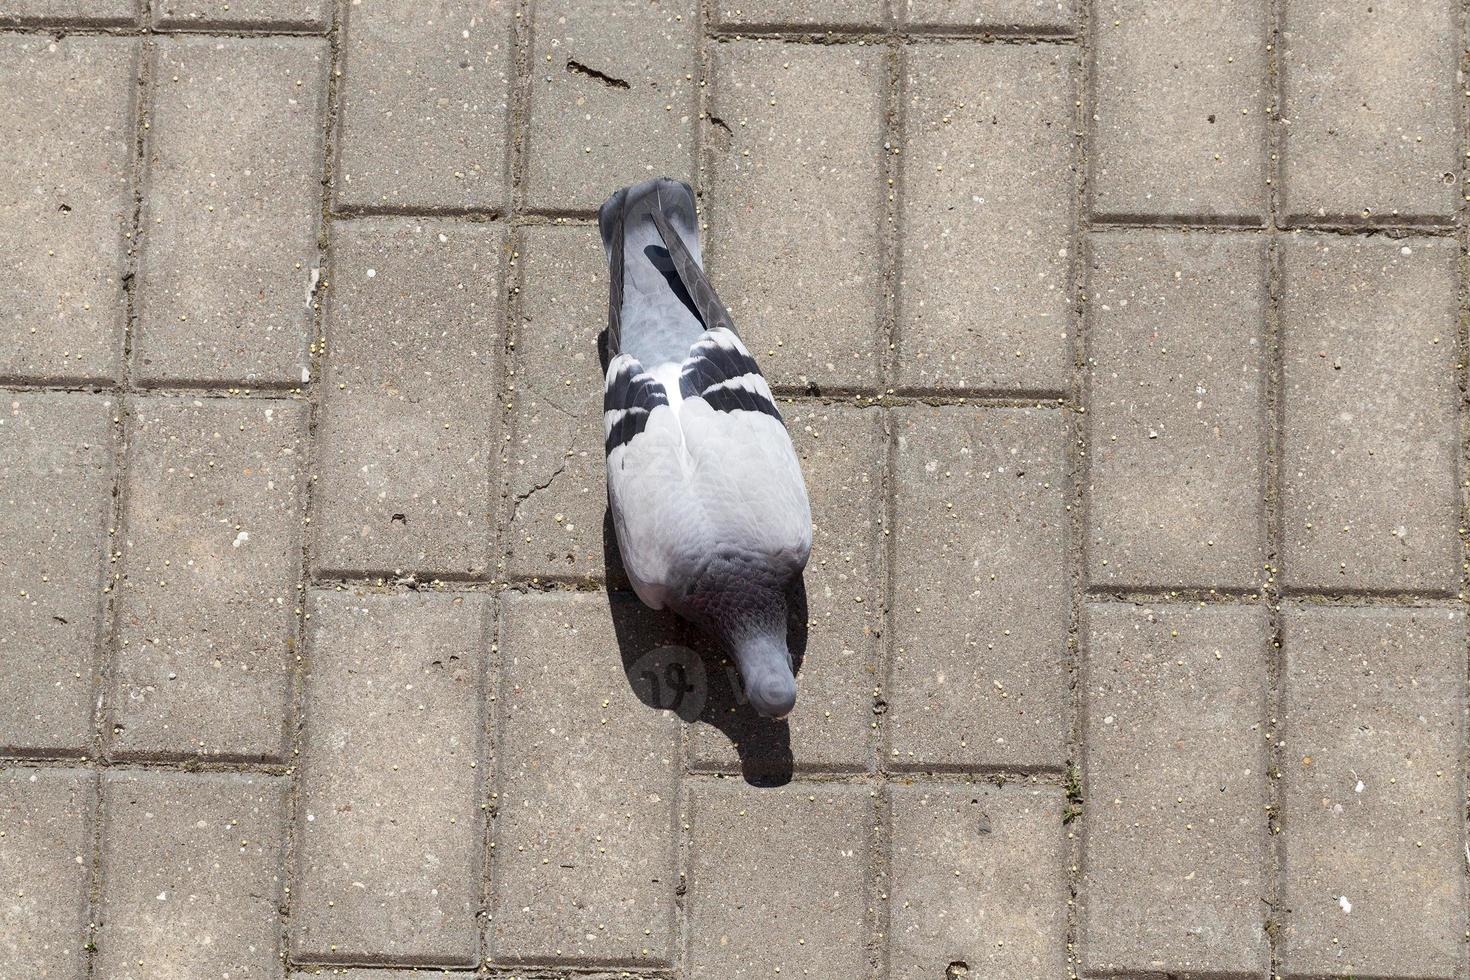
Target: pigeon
[[707, 496]]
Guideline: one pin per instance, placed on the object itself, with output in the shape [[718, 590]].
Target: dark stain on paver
[[577, 68]]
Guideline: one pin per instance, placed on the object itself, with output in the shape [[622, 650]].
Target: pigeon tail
[[651, 315]]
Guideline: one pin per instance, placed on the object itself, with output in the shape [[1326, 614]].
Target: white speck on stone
[[305, 375], [1358, 788], [372, 273], [1406, 250], [240, 539], [163, 896], [1347, 907]]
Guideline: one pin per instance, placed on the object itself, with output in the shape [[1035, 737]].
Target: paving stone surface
[[978, 877], [584, 824], [192, 872], [1369, 500], [67, 132], [229, 226], [987, 218], [56, 467], [797, 13], [777, 880], [407, 434], [554, 460], [613, 98], [45, 859], [1177, 370], [1358, 144], [390, 822], [1176, 790], [1002, 16], [204, 14], [425, 105], [980, 605], [210, 561], [88, 12], [1120, 342], [796, 206], [1180, 113], [1374, 724]]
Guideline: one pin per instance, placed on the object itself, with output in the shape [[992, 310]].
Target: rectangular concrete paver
[[1359, 143], [66, 149], [796, 210], [278, 14], [1369, 442], [191, 875], [56, 478], [612, 98], [1175, 818], [555, 458], [842, 452], [1177, 419], [45, 859], [408, 433], [229, 232], [88, 12], [389, 827], [776, 881], [980, 605], [978, 879], [211, 551], [584, 867], [797, 13], [986, 217], [1179, 123], [1041, 16], [1375, 879], [425, 117]]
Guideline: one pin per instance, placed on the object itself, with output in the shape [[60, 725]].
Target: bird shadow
[[672, 666]]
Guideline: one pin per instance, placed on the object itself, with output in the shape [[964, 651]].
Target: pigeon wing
[[646, 474], [743, 467]]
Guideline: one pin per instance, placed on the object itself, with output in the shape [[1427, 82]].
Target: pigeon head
[[765, 666]]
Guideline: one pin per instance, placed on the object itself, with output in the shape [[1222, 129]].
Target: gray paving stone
[[588, 782], [796, 215], [1375, 882], [66, 143], [1047, 15], [56, 471], [987, 202], [425, 105], [211, 551], [1177, 410], [776, 880], [979, 878], [842, 452], [409, 425], [191, 875], [557, 471], [1179, 123], [230, 225], [45, 857], [1368, 467], [390, 825], [294, 14], [1175, 810], [798, 13], [91, 12], [980, 607], [612, 98], [1358, 142]]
